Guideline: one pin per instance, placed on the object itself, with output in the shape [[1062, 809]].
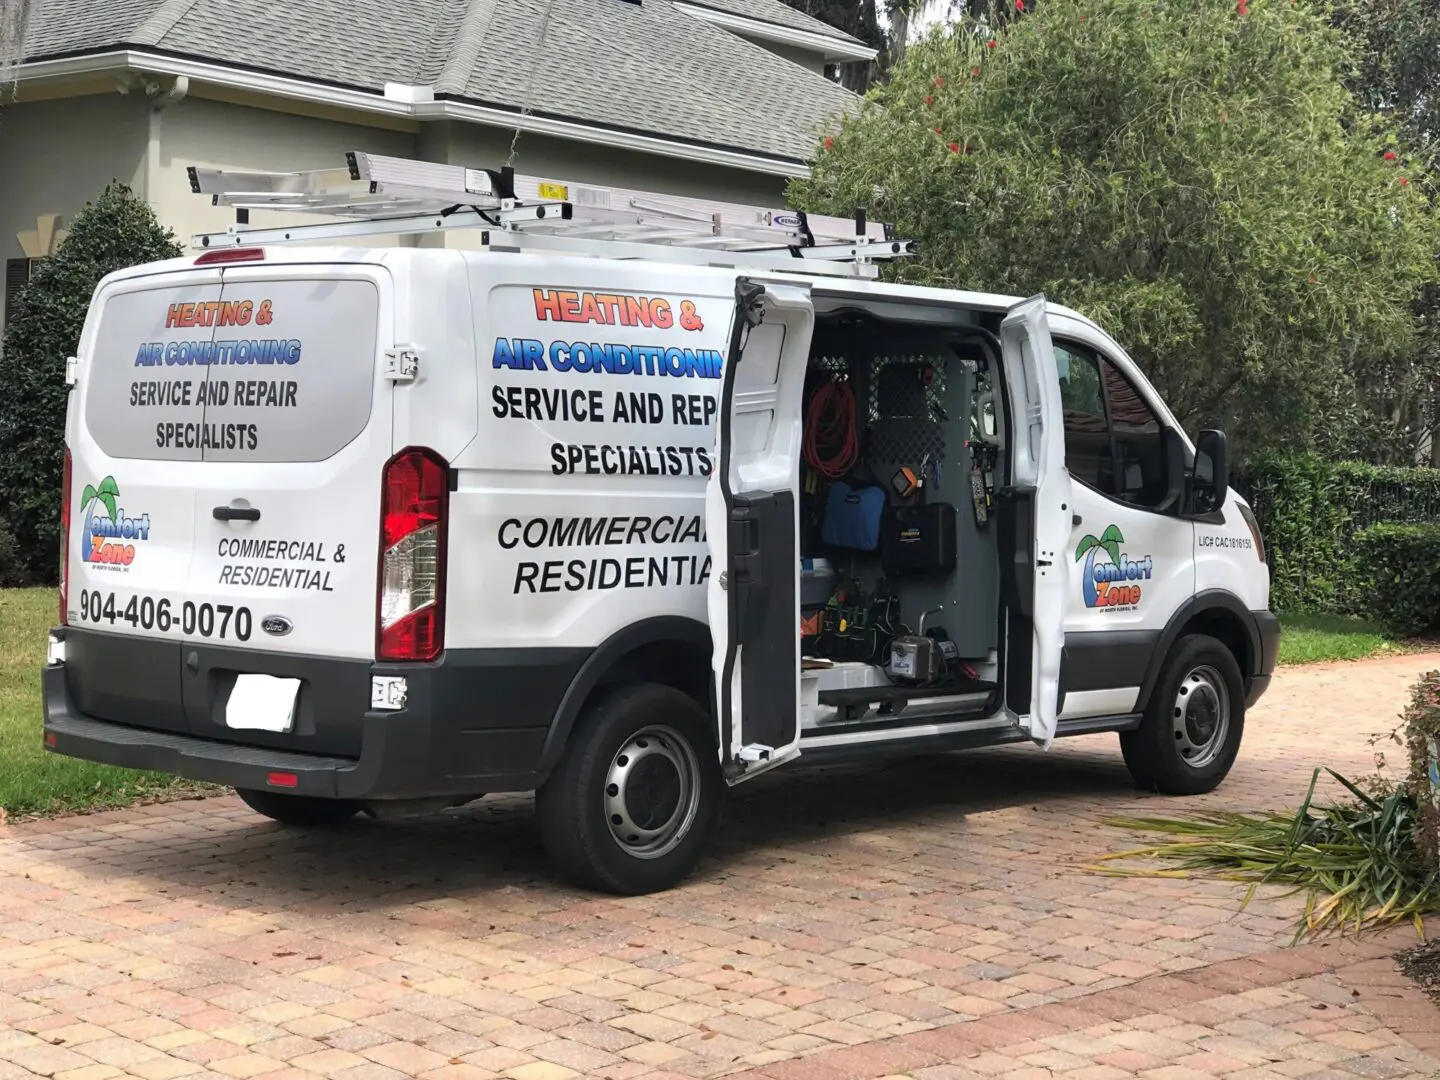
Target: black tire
[[305, 811], [647, 736], [1194, 721]]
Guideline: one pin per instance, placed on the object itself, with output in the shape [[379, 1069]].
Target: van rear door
[[752, 513], [132, 429], [287, 504]]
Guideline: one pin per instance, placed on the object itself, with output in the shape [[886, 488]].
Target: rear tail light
[[65, 471], [415, 496], [1249, 516]]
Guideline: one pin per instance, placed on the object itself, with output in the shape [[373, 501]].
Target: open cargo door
[[1038, 477], [753, 525]]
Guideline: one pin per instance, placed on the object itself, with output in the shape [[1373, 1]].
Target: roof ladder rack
[[376, 195]]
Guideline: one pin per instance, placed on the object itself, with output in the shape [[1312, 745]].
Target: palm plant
[[104, 495], [1108, 542], [1359, 863]]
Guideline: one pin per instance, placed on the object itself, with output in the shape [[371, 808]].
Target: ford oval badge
[[277, 625]]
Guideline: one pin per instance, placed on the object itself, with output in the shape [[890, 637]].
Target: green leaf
[[109, 501], [1110, 540], [113, 231], [86, 496], [1086, 543], [108, 487]]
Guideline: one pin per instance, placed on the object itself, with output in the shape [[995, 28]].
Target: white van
[[383, 529]]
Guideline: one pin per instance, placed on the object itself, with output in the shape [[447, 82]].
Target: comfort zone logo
[[1111, 580]]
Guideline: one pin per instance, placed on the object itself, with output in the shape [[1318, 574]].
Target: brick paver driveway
[[928, 918]]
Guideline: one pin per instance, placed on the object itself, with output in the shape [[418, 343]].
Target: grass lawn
[[33, 781], [1315, 639]]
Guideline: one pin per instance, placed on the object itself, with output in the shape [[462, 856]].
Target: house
[[715, 98]]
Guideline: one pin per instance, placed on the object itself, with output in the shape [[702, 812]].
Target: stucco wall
[[58, 155], [222, 135]]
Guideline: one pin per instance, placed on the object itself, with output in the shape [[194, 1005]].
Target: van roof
[[822, 284]]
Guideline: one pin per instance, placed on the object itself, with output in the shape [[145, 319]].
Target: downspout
[[159, 101]]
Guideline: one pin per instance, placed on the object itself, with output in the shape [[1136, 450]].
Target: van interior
[[900, 567]]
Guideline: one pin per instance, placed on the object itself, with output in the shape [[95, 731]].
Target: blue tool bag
[[852, 517]]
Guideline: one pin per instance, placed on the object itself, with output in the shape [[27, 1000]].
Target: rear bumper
[[473, 723]]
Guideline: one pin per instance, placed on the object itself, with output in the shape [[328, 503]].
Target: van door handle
[[236, 513]]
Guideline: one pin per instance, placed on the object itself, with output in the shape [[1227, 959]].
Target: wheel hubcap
[[1201, 717], [652, 792]]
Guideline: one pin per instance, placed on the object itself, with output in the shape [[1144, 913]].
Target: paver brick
[[944, 928]]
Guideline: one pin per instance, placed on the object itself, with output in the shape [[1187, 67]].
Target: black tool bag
[[918, 540]]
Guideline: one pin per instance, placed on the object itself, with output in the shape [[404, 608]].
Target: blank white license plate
[[262, 703]]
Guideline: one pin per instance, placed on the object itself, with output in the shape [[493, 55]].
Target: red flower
[[975, 72], [939, 80], [1019, 5], [990, 44], [1404, 182], [929, 100], [954, 148], [937, 131], [1244, 7], [1389, 155], [829, 143]]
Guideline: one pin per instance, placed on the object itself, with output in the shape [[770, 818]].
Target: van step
[[854, 701]]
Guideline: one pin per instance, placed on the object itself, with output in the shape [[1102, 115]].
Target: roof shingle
[[647, 67]]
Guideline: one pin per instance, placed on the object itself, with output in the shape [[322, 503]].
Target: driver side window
[[1114, 442]]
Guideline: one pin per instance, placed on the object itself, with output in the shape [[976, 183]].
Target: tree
[[1397, 73], [115, 231], [862, 19], [1191, 173]]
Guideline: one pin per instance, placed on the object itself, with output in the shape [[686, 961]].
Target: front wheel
[[298, 810], [1192, 727], [637, 794]]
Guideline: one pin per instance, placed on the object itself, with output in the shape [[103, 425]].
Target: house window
[[1114, 442], [18, 273]]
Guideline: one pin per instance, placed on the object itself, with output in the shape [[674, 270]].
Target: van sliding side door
[[1040, 494], [753, 527]]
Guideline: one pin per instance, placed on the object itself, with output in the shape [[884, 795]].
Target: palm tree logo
[[104, 495], [1109, 542]]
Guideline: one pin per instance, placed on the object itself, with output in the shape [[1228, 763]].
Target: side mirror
[[1212, 471]]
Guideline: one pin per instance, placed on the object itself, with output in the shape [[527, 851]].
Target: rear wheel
[[1193, 724], [298, 810], [637, 794]]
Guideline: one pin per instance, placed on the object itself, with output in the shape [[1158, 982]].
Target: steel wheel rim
[[1200, 717], [652, 792]]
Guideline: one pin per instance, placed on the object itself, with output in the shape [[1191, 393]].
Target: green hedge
[[1311, 515], [1402, 564], [115, 231]]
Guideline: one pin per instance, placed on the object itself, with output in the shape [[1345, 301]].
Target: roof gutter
[[831, 48], [402, 102]]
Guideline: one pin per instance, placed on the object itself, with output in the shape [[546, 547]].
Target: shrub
[[1403, 578], [1420, 728], [1311, 513], [12, 574], [115, 231]]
